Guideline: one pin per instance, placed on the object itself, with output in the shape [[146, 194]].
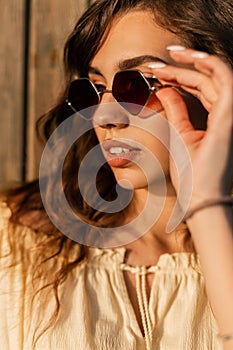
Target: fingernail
[[157, 65], [199, 54], [175, 48]]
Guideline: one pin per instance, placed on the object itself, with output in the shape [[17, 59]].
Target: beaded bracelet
[[226, 337], [226, 200]]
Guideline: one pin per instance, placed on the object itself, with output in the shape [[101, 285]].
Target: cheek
[[100, 133], [154, 103], [152, 166], [158, 160]]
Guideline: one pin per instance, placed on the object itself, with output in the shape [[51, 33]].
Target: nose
[[110, 115]]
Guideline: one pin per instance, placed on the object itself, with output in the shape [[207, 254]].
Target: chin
[[136, 179]]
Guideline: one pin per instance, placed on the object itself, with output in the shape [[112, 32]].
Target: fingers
[[210, 66], [191, 81], [176, 109], [207, 77], [198, 83]]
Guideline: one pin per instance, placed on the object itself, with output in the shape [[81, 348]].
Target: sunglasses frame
[[100, 93]]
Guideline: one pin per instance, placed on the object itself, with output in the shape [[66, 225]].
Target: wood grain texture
[[11, 86], [51, 22]]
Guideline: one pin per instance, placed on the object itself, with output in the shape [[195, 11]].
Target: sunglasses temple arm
[[70, 105]]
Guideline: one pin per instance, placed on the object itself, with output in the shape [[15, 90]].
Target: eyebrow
[[93, 70], [137, 61], [129, 63]]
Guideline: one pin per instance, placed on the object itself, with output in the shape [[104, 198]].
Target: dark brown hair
[[202, 24]]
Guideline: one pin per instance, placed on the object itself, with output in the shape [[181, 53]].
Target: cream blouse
[[96, 312]]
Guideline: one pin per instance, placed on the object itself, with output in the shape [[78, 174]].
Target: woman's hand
[[211, 152]]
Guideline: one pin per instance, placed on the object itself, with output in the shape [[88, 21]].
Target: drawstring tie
[[140, 273]]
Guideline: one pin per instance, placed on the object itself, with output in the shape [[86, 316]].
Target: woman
[[151, 292]]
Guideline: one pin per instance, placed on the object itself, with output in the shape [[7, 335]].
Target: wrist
[[201, 205]]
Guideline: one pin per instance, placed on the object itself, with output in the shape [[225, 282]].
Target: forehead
[[133, 34]]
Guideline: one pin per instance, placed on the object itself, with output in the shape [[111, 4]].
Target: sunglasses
[[130, 89]]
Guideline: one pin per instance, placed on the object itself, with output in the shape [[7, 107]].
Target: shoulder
[[16, 240], [13, 278], [5, 220], [5, 214]]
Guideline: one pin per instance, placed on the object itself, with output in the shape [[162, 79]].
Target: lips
[[119, 154]]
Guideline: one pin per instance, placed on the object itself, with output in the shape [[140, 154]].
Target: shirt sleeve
[[12, 285]]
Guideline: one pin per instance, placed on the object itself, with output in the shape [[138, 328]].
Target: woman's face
[[131, 143]]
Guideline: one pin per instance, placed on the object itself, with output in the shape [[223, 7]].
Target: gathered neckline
[[167, 261]]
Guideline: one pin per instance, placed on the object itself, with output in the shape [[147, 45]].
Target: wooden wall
[[32, 37], [11, 86]]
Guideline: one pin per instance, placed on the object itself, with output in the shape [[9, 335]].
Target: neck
[[156, 241]]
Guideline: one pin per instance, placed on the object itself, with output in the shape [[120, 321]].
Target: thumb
[[181, 172], [176, 109]]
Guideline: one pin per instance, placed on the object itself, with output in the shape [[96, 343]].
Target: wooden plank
[[51, 21], [11, 83]]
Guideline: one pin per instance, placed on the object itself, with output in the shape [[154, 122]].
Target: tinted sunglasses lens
[[82, 94], [131, 91]]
